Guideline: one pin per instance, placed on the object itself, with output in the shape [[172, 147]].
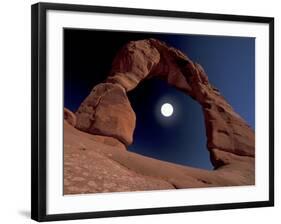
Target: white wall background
[[15, 110]]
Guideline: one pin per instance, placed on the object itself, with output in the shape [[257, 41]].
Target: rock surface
[[107, 111], [69, 117], [94, 164]]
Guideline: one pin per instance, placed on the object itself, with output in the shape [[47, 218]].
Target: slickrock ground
[[99, 164], [94, 163]]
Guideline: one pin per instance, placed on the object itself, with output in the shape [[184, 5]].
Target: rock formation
[[69, 117], [226, 130], [107, 111], [94, 164], [95, 138]]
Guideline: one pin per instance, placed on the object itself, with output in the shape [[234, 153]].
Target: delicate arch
[[107, 110]]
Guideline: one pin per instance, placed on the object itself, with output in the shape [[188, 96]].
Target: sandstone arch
[[107, 111]]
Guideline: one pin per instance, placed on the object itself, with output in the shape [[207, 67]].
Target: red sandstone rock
[[139, 60], [94, 164], [107, 111], [69, 117], [133, 63]]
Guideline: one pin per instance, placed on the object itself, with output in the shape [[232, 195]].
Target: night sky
[[228, 61]]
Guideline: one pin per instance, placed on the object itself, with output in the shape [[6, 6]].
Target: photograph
[[146, 111]]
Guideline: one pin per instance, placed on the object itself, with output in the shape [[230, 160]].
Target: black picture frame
[[40, 122]]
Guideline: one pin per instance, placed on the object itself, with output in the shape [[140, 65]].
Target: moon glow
[[167, 110]]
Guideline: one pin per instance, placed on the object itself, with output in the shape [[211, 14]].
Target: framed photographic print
[[138, 111]]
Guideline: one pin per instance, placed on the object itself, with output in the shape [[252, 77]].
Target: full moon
[[167, 109]]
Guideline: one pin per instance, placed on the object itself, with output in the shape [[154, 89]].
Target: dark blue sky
[[228, 61]]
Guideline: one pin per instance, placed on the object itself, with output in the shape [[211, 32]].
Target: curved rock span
[[107, 112]]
